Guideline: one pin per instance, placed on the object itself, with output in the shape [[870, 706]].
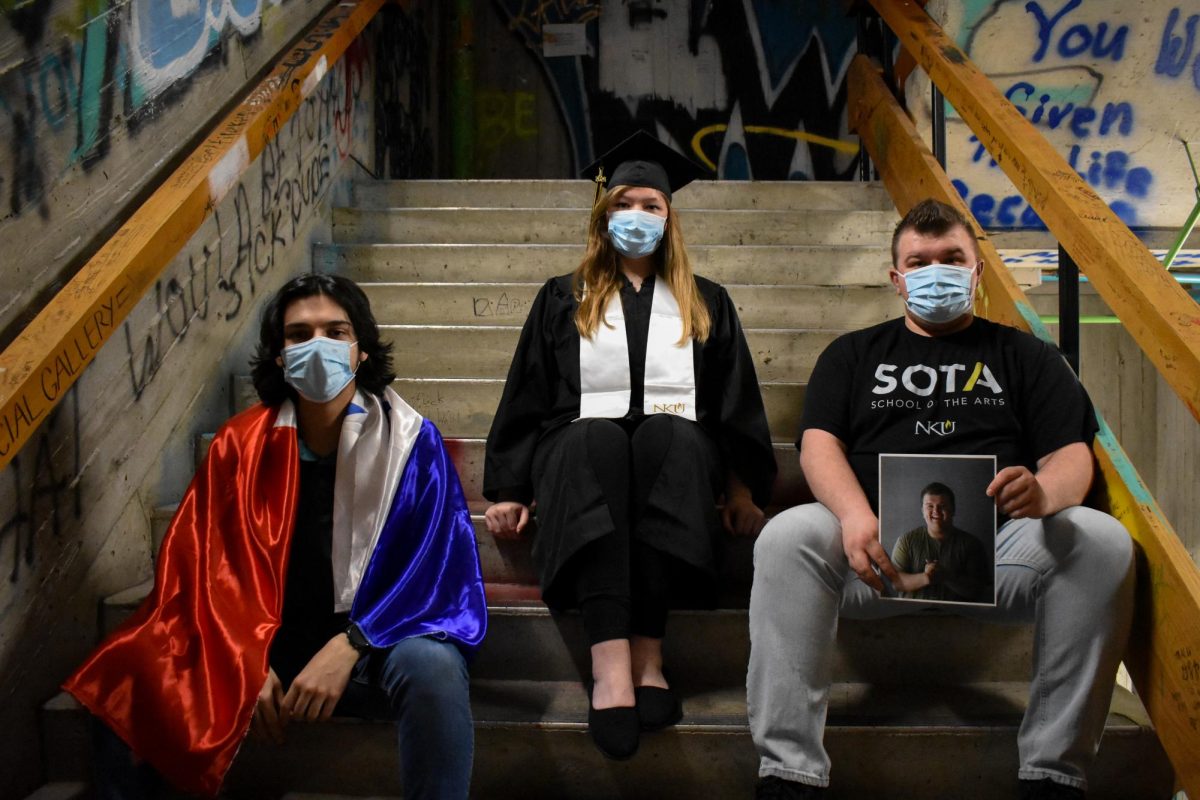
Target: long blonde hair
[[598, 276]]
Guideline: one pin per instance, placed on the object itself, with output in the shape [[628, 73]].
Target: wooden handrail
[[1157, 312], [49, 355], [1166, 640]]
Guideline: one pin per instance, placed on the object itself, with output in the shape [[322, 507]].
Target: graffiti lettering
[[1175, 52], [502, 306], [769, 77], [296, 172], [44, 499], [1116, 117], [1079, 39]]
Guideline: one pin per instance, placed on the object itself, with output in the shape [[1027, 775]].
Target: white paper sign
[[564, 39]]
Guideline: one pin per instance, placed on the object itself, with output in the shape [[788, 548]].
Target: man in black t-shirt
[[940, 381]]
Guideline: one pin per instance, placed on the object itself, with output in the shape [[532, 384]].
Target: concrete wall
[[1113, 84], [1157, 431], [96, 97], [745, 86], [75, 504]]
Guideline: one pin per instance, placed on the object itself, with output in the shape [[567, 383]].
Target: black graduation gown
[[542, 395]]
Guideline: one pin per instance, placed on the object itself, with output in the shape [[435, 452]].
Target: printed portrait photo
[[938, 526]]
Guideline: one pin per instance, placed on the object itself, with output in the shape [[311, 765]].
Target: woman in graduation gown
[[630, 411]]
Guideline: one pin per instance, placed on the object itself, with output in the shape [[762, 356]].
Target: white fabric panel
[[372, 452], [604, 366], [670, 383], [670, 370]]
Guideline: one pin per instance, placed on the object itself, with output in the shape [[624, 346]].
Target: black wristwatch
[[357, 640]]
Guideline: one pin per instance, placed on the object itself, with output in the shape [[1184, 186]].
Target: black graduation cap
[[642, 160]]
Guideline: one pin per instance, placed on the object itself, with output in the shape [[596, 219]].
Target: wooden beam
[[48, 356], [1157, 312], [1164, 652]]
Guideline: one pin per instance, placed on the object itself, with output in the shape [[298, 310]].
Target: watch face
[[357, 640]]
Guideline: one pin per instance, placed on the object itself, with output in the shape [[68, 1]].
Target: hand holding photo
[[939, 525]]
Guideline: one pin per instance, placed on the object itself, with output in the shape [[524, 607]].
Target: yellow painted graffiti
[[825, 141]]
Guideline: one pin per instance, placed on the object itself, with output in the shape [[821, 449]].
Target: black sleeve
[[827, 399], [743, 436], [1055, 408], [524, 406]]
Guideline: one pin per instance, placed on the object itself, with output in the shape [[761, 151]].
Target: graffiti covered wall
[[1113, 84], [755, 89], [76, 503], [96, 98]]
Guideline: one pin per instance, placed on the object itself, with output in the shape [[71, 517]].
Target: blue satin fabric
[[423, 578]]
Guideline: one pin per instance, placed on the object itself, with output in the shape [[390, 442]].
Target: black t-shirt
[[987, 390], [309, 620]]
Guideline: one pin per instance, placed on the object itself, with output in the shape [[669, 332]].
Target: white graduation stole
[[670, 385]]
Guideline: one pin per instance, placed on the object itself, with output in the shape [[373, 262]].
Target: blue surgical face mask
[[318, 368], [939, 293], [635, 234]]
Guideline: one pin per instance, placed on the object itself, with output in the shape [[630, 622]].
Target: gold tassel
[[600, 181]]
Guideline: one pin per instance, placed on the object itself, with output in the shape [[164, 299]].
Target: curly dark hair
[[373, 375], [930, 218]]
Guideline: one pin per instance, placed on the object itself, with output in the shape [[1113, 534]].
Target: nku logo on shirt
[[923, 380], [939, 428]]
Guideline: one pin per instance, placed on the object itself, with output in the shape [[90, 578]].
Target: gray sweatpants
[[1071, 574]]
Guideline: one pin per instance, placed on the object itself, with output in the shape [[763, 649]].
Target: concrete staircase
[[803, 262]]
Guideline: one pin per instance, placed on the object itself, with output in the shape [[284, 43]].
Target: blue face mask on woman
[[635, 234], [319, 368], [939, 293]]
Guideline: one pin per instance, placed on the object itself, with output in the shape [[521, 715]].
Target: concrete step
[[471, 351], [580, 194], [464, 407], [706, 650], [784, 265], [569, 226], [468, 456], [528, 642], [531, 742], [780, 264], [829, 307]]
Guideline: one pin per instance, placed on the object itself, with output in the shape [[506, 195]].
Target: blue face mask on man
[[939, 293], [319, 368], [635, 234]]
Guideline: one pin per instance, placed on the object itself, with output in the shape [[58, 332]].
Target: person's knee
[[658, 432], [604, 441], [1099, 538], [424, 666], [791, 535]]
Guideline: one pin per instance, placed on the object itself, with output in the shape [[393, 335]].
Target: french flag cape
[[179, 679]]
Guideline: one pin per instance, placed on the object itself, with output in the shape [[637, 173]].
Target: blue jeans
[[421, 683]]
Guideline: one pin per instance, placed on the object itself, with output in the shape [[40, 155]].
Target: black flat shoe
[[657, 708], [614, 731]]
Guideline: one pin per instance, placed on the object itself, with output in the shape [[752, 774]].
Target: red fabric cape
[[178, 680]]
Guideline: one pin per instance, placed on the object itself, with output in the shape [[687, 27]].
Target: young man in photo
[[1064, 567], [938, 560]]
